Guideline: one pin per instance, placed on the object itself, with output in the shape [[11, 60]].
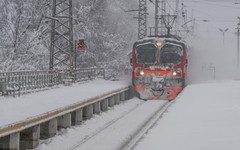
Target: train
[[159, 67]]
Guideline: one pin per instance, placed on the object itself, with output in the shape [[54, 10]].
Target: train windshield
[[170, 54], [146, 54]]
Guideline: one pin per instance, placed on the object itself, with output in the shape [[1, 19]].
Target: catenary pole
[[61, 49], [238, 47], [142, 19], [156, 17]]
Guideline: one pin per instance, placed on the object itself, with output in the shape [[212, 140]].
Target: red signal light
[[81, 44]]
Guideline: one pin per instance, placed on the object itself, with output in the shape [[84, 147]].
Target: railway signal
[[81, 44]]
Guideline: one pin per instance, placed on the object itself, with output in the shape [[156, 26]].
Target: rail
[[136, 137], [31, 80]]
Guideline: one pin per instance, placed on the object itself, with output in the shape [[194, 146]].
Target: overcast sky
[[212, 15], [208, 48]]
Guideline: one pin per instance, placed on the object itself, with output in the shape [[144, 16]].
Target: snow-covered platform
[[204, 116], [27, 106]]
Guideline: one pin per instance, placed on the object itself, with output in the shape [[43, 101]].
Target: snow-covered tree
[[21, 36], [108, 31]]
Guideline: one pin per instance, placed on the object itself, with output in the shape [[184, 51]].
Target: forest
[[25, 28]]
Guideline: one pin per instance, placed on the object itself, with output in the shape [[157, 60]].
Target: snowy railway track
[[132, 143], [124, 131], [108, 124]]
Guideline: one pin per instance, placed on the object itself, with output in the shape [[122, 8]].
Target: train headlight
[[158, 43], [174, 73], [141, 73]]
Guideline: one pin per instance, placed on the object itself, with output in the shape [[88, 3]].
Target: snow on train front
[[159, 66]]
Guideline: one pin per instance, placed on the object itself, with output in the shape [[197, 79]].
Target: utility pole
[[238, 45], [177, 18], [142, 19], [223, 32], [156, 16], [163, 13], [61, 49], [160, 12]]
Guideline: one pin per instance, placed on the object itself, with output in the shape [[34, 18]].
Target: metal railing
[[31, 80]]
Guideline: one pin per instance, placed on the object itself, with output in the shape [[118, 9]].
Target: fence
[[10, 82]]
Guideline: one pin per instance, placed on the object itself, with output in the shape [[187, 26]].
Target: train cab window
[[170, 54], [146, 54]]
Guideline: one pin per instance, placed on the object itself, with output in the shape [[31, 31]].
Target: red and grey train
[[159, 66]]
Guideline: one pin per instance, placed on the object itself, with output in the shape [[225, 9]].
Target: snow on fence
[[11, 82], [27, 134]]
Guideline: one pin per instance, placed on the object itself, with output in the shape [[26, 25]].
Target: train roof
[[169, 39]]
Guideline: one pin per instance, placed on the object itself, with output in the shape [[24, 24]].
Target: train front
[[159, 68]]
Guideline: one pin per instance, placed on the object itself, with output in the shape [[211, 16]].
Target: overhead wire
[[177, 23], [221, 19], [215, 20], [215, 4], [212, 26], [211, 19], [202, 12], [170, 6], [159, 7]]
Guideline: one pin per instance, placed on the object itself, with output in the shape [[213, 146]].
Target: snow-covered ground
[[205, 116], [18, 109]]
